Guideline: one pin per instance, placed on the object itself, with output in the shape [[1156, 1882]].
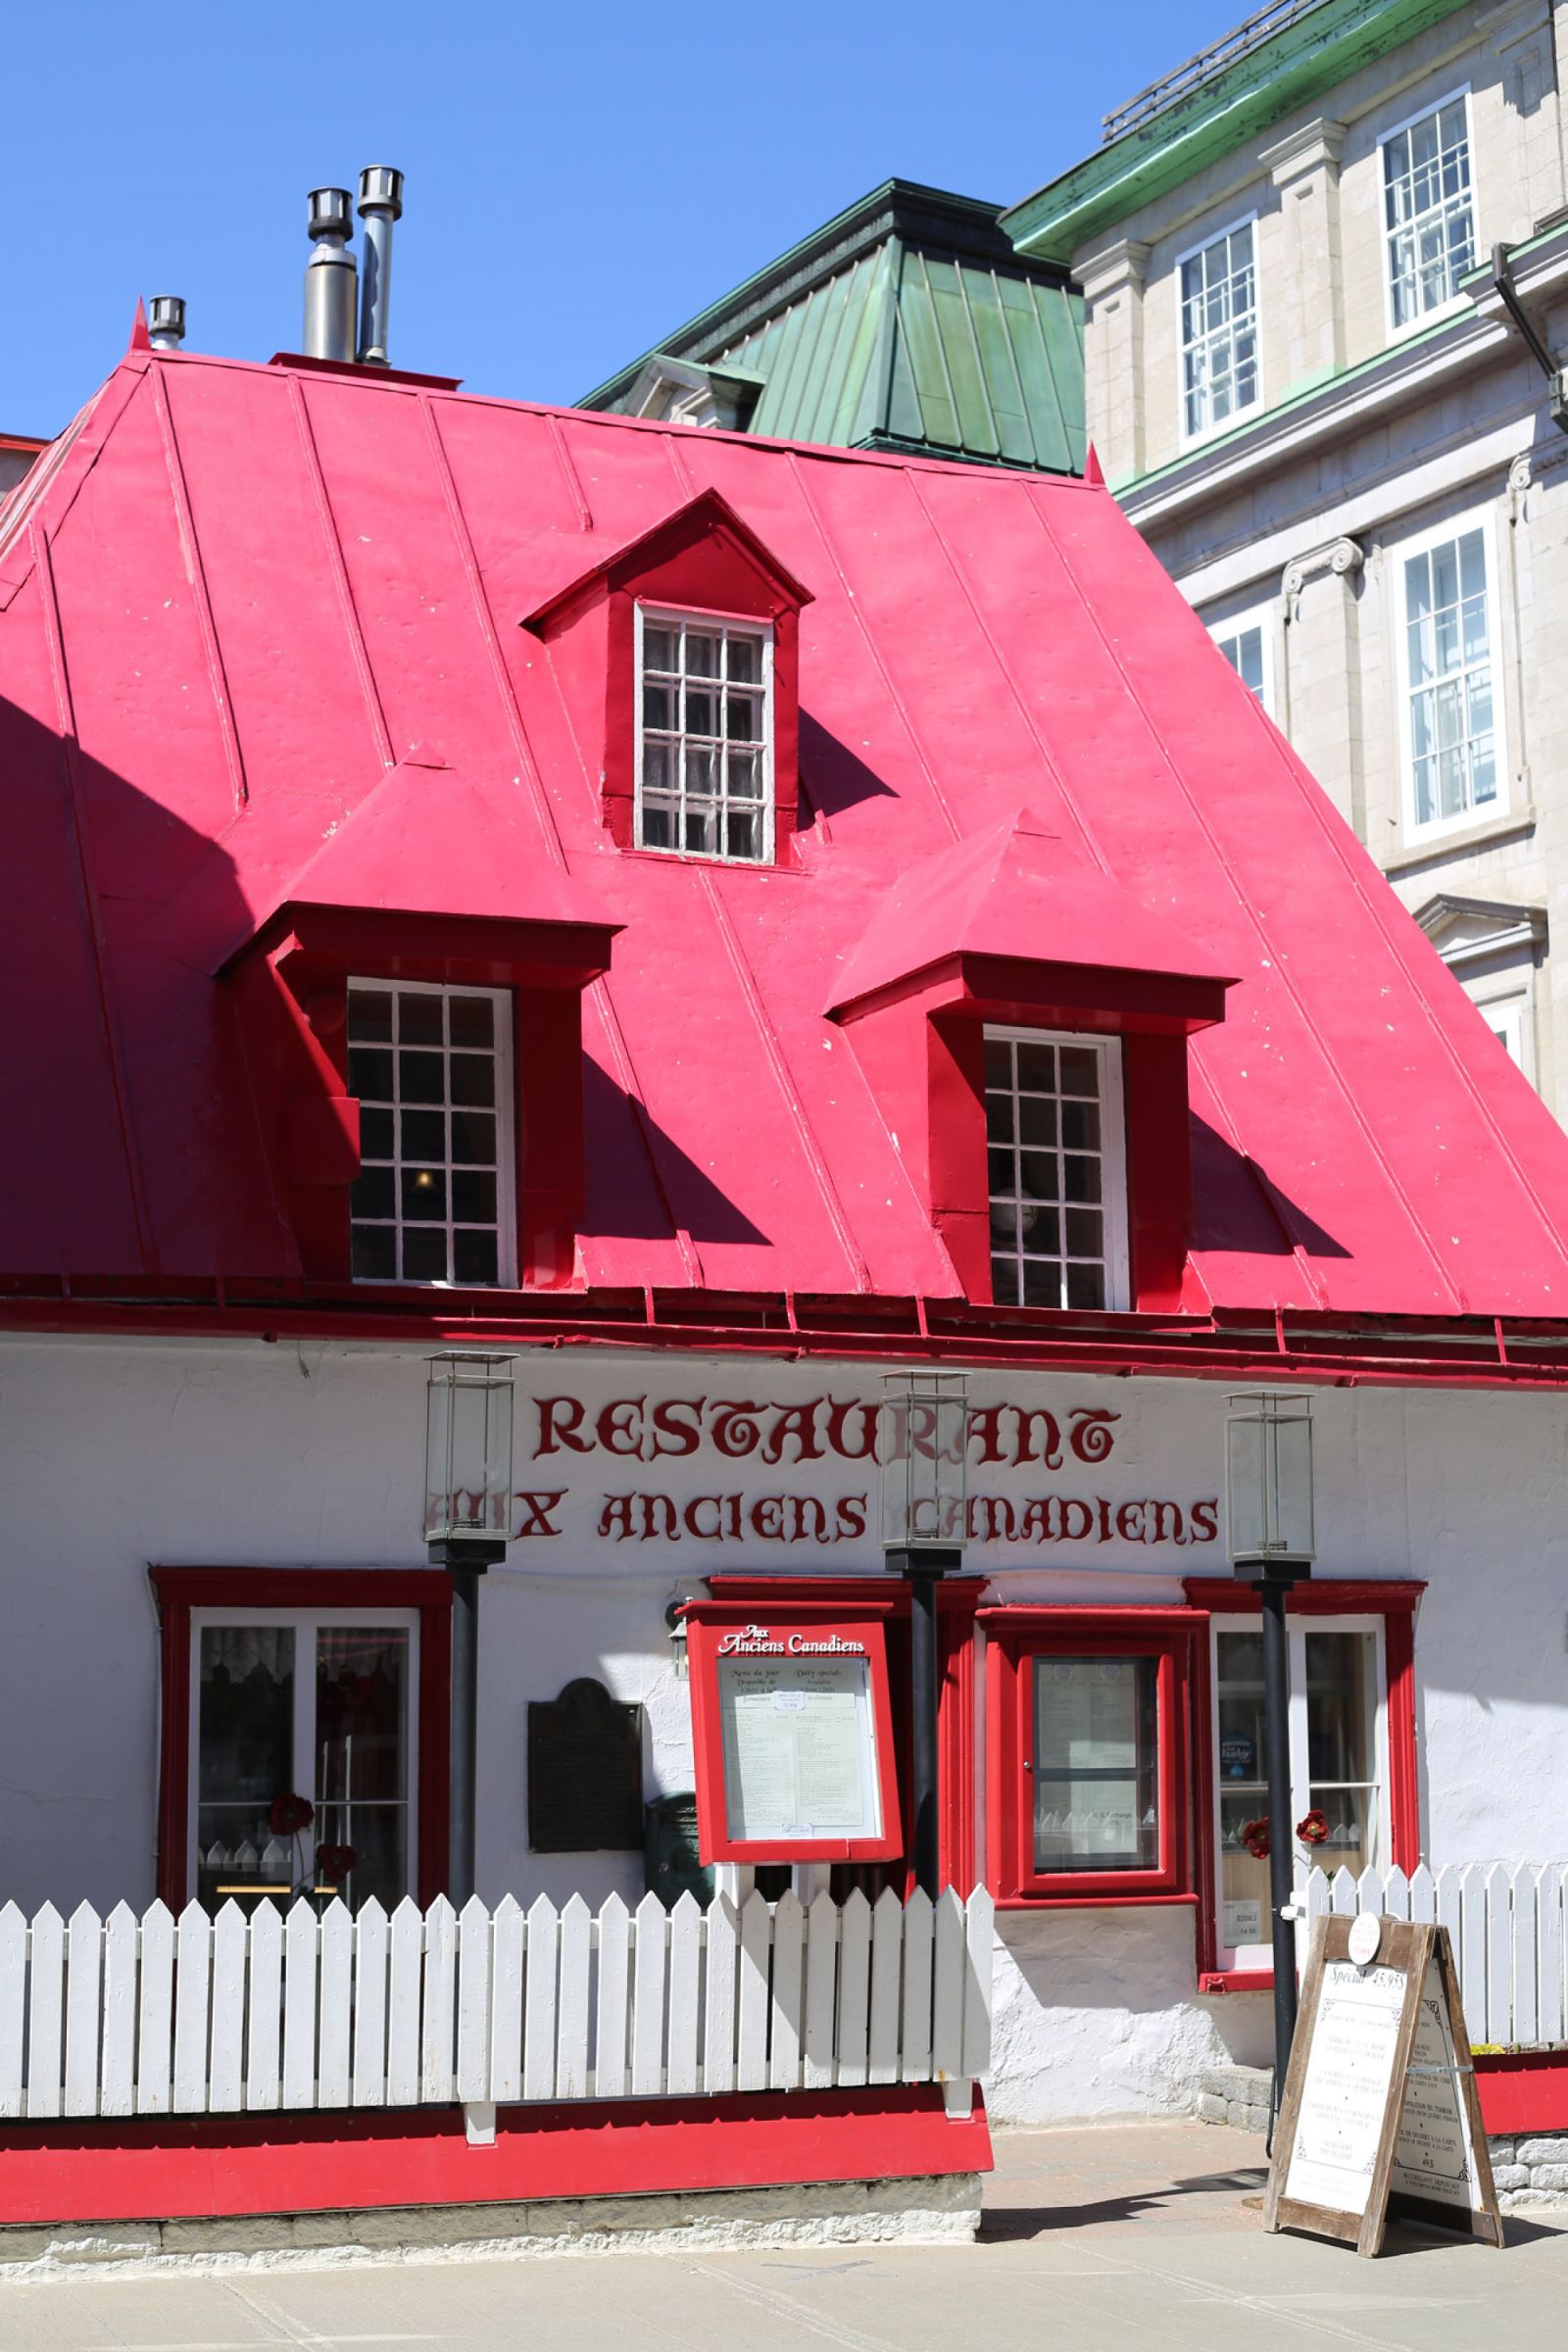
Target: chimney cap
[[165, 320], [381, 191], [331, 213]]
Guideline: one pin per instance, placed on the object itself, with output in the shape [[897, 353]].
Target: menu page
[[800, 1749], [1344, 2100], [1087, 1715], [1433, 2158]]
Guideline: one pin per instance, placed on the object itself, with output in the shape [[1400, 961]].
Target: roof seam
[[506, 691], [340, 575], [872, 648], [769, 1038], [216, 673]]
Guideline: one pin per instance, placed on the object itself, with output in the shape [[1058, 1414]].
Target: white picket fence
[[199, 2016], [1508, 1925]]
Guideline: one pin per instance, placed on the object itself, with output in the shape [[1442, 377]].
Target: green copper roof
[[1214, 115], [907, 322]]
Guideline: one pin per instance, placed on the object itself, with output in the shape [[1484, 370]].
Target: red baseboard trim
[[162, 2169], [1522, 2090]]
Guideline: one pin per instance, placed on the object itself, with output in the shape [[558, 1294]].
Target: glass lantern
[[922, 1446], [1268, 1481], [467, 1449]]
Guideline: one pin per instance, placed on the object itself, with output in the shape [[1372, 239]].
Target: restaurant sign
[[716, 1472]]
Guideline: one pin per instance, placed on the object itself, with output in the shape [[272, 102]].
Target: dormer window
[[432, 1070], [1054, 1169], [704, 783]]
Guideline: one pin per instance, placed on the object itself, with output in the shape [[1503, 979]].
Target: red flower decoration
[[334, 1862], [1313, 1828], [290, 1813], [1254, 1836]]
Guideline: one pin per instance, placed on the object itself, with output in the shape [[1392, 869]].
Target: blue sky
[[579, 179]]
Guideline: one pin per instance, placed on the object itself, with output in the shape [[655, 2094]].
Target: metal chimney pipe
[[380, 203], [165, 322], [330, 277]]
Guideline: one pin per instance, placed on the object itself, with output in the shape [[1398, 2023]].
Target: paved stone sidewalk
[[1135, 2237]]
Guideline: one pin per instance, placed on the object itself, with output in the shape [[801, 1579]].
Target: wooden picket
[[1508, 1925], [225, 2015]]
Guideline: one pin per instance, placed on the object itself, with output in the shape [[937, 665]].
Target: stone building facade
[[1326, 279]]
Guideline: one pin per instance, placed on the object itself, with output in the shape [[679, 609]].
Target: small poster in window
[[1243, 1923]]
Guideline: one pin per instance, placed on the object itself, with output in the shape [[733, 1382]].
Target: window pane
[[424, 1254], [244, 1757], [361, 1760], [1096, 1764], [421, 1017], [1244, 1791], [373, 1254]]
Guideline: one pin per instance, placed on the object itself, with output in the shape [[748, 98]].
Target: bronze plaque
[[585, 1773]]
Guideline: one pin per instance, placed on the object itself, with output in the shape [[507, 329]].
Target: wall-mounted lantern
[[467, 1512]]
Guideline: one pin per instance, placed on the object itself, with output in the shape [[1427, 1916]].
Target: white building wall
[[118, 1455]]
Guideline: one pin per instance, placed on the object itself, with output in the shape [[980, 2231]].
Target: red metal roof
[[259, 622]]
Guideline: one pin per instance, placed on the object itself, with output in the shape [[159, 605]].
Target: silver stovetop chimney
[[165, 322], [331, 276], [380, 203]]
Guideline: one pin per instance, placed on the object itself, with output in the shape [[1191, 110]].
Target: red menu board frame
[[789, 1631]]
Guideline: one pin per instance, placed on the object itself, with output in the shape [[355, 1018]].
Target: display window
[[1088, 1716], [306, 1735]]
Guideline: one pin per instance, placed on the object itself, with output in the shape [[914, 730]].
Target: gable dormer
[[679, 659], [1023, 1022]]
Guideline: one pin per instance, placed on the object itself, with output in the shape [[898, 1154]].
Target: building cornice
[[1213, 118]]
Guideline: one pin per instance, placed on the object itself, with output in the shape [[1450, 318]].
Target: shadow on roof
[[641, 1184], [833, 779], [1237, 1206]]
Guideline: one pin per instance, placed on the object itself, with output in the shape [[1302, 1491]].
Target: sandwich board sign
[[1380, 2118]]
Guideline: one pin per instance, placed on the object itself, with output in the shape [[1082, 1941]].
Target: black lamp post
[[922, 1445], [1268, 1478], [467, 1508]]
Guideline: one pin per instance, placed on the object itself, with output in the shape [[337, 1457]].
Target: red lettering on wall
[[687, 1435], [559, 1418], [534, 1517]]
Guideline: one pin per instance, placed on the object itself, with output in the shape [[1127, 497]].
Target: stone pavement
[[1125, 2236]]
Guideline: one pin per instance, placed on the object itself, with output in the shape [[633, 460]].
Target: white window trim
[[506, 1132], [1403, 551], [1260, 1956], [1112, 1150], [304, 1757], [1255, 404], [1457, 301], [1261, 619], [662, 613]]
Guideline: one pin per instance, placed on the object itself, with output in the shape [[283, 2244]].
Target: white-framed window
[[1453, 745], [1339, 1762], [434, 1200], [1428, 221], [1056, 1170], [320, 1705], [1244, 646], [1219, 287], [704, 736]]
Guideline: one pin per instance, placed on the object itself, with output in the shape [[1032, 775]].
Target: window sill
[[1429, 848], [1089, 1903], [1236, 1980]]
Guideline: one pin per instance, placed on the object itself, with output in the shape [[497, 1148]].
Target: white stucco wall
[[248, 1454]]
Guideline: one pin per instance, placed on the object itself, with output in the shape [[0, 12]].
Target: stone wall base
[[922, 2212], [1527, 2169]]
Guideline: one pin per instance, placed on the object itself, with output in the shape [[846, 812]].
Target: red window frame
[[1394, 1600], [180, 1591], [706, 1625], [1015, 1637]]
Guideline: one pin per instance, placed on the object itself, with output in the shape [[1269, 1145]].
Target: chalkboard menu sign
[[585, 1773], [794, 1738], [1380, 2118]]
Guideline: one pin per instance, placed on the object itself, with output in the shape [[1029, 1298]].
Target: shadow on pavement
[[1009, 2224]]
